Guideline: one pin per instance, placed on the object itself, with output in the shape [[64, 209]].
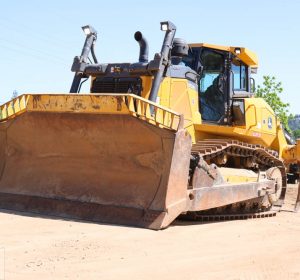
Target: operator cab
[[224, 81]]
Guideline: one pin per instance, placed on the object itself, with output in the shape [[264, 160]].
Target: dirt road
[[48, 248]]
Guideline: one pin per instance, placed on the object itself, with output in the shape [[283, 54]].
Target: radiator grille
[[115, 85]]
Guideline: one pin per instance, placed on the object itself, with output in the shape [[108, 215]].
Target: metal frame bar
[[137, 106]]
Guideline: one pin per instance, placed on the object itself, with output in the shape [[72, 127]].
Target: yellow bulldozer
[[179, 135]]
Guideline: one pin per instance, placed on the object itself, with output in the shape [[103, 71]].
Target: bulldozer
[[181, 135]]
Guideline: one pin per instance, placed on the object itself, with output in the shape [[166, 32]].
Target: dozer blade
[[102, 158]]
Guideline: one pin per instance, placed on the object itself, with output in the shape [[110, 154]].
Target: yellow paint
[[210, 46], [298, 151], [231, 176], [254, 131], [92, 104], [291, 153], [14, 107], [247, 56], [261, 125], [176, 98], [182, 97]]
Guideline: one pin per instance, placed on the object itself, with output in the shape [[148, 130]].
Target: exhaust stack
[[144, 49]]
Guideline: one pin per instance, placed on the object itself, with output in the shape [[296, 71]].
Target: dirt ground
[[49, 248]]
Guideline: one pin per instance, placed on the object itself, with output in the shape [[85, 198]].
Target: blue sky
[[38, 39]]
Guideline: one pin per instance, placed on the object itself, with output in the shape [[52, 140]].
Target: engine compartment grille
[[115, 85]]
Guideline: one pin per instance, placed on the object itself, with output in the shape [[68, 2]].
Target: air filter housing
[[180, 48]]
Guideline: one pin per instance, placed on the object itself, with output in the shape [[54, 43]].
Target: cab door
[[212, 86]]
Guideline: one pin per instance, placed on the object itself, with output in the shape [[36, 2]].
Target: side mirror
[[252, 85], [200, 70]]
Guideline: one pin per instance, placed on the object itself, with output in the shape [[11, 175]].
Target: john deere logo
[[270, 123]]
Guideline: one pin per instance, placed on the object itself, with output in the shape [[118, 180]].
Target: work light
[[88, 30]]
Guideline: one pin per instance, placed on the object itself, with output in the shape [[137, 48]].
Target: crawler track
[[197, 216], [223, 152], [210, 149]]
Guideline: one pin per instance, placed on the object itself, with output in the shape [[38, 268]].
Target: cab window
[[239, 70]]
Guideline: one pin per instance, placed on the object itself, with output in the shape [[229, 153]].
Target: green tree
[[14, 94], [270, 90], [296, 133]]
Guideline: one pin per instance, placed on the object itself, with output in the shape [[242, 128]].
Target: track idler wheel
[[274, 173]]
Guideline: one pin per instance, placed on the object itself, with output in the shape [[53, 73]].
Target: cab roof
[[245, 55]]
